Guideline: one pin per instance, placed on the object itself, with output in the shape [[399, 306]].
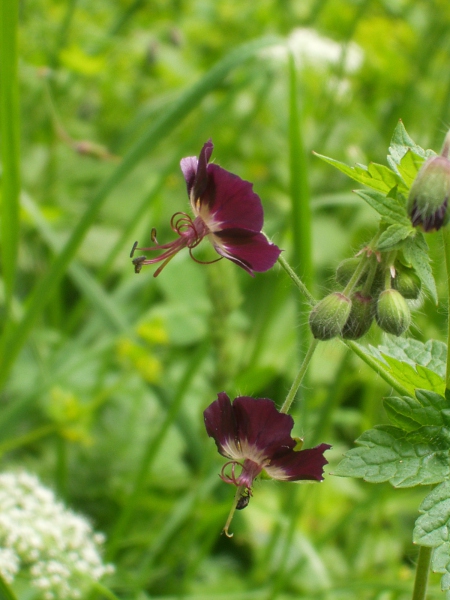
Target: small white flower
[[45, 541], [308, 46]]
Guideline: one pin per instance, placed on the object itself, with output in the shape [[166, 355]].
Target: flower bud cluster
[[42, 540], [376, 286]]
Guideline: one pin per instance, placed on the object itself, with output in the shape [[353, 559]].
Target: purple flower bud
[[393, 314], [329, 316], [360, 317], [429, 194], [407, 282]]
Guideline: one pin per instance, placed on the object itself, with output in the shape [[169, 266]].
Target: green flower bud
[[408, 283], [345, 270], [360, 317], [392, 314], [328, 317], [429, 194]]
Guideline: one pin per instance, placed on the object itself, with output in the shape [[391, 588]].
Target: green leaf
[[389, 208], [415, 252], [395, 358], [432, 529], [393, 235], [400, 144], [414, 378], [440, 563], [412, 413], [433, 526], [405, 459], [409, 167], [431, 354], [378, 177]]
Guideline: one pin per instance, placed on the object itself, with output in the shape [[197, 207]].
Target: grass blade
[[9, 126], [157, 131], [300, 194]]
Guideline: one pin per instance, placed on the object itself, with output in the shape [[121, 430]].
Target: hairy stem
[[299, 378], [422, 570], [298, 282]]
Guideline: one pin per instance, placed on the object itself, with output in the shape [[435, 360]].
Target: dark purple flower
[[257, 437], [226, 210]]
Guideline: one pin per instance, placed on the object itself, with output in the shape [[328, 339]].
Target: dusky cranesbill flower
[[227, 211], [256, 437]]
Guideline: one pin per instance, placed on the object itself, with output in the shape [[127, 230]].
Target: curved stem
[[298, 282], [240, 489], [422, 570], [300, 375]]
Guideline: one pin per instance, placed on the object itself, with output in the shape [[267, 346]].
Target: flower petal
[[261, 428], [189, 168], [251, 251], [300, 465], [220, 423], [195, 171], [229, 202]]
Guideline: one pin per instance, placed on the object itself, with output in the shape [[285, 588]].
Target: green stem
[[300, 375], [367, 287], [375, 366], [239, 491], [422, 570], [446, 239], [298, 282], [355, 277]]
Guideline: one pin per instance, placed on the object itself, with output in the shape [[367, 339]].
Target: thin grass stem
[[10, 151]]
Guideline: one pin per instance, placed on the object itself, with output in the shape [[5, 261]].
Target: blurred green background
[[106, 373]]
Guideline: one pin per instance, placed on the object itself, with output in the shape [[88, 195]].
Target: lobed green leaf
[[415, 252], [393, 235], [412, 413], [432, 529], [431, 354], [409, 167], [405, 459], [414, 378], [401, 143], [388, 207], [375, 176]]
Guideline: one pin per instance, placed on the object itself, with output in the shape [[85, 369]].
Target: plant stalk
[[299, 378], [298, 282], [422, 570]]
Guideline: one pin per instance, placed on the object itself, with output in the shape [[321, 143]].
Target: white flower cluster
[[42, 539], [307, 45]]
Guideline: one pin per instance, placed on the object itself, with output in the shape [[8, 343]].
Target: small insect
[[243, 500]]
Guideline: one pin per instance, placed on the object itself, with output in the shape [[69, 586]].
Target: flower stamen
[[232, 479]]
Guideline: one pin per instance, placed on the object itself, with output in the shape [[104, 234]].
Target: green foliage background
[[106, 373]]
